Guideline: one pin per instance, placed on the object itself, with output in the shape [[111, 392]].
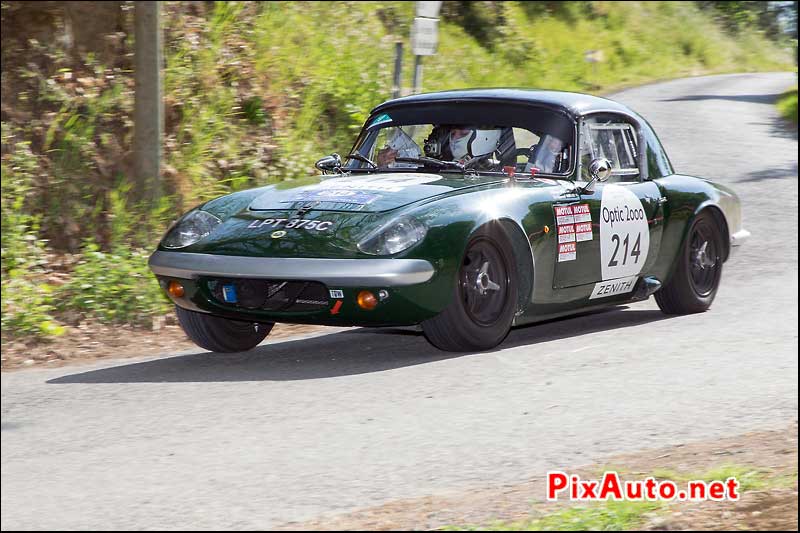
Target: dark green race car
[[466, 212]]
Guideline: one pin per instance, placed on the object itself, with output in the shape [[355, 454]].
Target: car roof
[[575, 104]]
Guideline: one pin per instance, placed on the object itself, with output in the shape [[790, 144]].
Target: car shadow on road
[[787, 172], [345, 353], [748, 98]]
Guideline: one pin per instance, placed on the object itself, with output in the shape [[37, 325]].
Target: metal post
[[148, 115], [398, 69], [417, 74]]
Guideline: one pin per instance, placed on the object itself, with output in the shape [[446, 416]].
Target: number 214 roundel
[[624, 233]]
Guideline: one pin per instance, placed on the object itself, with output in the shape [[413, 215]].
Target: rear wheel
[[698, 271], [482, 310], [220, 334]]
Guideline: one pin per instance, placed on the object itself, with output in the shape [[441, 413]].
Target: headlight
[[395, 237], [190, 229]]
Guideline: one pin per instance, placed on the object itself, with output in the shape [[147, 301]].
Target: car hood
[[271, 222], [366, 193]]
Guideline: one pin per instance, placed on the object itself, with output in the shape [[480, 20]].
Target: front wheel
[[220, 334], [480, 315], [698, 271]]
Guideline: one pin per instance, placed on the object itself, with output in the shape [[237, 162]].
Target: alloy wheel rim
[[484, 283], [704, 259]]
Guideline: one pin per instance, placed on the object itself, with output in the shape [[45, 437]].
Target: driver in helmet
[[464, 143]]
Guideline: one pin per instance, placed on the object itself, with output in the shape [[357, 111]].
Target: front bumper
[[331, 272], [738, 238], [413, 291]]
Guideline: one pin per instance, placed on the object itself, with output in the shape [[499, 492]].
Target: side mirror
[[329, 163], [600, 171]]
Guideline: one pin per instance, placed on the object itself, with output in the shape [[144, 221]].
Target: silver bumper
[[332, 272], [738, 238]]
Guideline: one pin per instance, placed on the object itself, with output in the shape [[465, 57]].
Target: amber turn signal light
[[175, 289], [366, 300]]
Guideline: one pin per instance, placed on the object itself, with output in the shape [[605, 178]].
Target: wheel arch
[[719, 216], [710, 207], [523, 256]]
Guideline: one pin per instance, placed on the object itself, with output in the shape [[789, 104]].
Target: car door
[[609, 237]]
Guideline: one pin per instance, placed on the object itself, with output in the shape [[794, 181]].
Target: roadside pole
[[417, 84], [593, 57], [424, 37], [148, 114], [398, 69]]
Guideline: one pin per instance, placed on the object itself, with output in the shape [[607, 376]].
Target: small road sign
[[424, 36]]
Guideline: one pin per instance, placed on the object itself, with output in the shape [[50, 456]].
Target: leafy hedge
[[254, 93]]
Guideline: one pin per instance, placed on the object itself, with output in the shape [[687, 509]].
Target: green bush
[[27, 309], [22, 250], [27, 302], [787, 105], [114, 287], [255, 93]]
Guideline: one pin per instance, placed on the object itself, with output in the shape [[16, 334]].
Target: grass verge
[[625, 515], [787, 105]]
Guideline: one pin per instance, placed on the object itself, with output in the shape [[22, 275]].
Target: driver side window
[[613, 139]]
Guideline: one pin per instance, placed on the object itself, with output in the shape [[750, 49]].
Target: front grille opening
[[269, 295]]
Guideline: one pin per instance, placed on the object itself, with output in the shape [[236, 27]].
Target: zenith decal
[[613, 287]]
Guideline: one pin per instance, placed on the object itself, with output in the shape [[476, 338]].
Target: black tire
[[475, 320], [220, 334], [697, 272]]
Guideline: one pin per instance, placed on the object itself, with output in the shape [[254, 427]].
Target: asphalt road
[[300, 428]]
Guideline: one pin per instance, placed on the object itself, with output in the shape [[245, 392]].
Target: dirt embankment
[[93, 341], [771, 456]]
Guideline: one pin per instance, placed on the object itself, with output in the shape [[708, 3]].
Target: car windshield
[[457, 137]]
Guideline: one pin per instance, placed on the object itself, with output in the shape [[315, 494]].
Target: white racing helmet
[[480, 142], [484, 142]]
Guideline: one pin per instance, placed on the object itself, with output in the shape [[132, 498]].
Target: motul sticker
[[567, 252], [583, 231], [581, 213], [564, 214], [566, 233], [613, 287]]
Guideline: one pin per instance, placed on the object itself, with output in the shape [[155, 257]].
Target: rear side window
[[614, 140], [658, 164]]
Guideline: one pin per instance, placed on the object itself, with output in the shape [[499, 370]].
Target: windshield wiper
[[362, 158], [431, 162]]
